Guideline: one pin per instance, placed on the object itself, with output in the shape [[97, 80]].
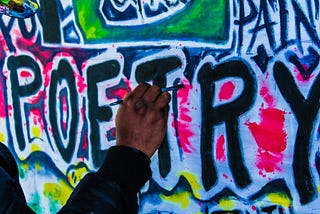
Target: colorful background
[[243, 134]]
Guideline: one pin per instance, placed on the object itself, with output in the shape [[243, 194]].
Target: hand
[[141, 120]]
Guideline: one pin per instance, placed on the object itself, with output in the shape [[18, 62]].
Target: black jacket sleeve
[[11, 194], [114, 188]]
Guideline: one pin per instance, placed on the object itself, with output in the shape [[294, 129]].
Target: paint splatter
[[2, 100], [193, 181], [269, 135], [280, 199], [37, 118], [182, 198], [184, 120], [226, 91], [220, 149], [226, 204], [119, 91], [264, 92], [305, 65], [57, 193]]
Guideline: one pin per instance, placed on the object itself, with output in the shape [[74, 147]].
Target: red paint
[[85, 142], [220, 149], [4, 46], [226, 91], [36, 98], [82, 113], [64, 125], [64, 103], [81, 83], [121, 92], [183, 126], [10, 110], [299, 76], [39, 53], [267, 160], [64, 110], [47, 74], [25, 74], [225, 176], [270, 137], [2, 101], [264, 92], [37, 118]]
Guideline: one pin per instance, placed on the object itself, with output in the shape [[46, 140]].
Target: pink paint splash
[[34, 99], [85, 142], [2, 101], [183, 123], [64, 104], [37, 118], [119, 91], [220, 149], [227, 91], [81, 83], [25, 74], [269, 135], [264, 92], [46, 74], [299, 76]]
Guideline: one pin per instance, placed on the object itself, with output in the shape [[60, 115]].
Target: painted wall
[[243, 133]]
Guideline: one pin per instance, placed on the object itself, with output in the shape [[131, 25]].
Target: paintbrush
[[171, 88]]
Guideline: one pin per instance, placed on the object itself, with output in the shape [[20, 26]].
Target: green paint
[[90, 24], [4, 2], [201, 20], [34, 203], [22, 173], [57, 194]]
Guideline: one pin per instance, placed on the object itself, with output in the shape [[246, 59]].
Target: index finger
[[163, 100], [138, 92]]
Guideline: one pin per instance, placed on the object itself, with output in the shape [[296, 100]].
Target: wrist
[[128, 166]]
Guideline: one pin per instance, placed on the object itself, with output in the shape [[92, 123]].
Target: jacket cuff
[[129, 167]]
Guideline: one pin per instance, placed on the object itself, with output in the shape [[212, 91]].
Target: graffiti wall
[[243, 134]]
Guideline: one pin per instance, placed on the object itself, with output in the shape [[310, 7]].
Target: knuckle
[[157, 89]]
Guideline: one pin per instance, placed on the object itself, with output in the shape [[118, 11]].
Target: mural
[[243, 134]]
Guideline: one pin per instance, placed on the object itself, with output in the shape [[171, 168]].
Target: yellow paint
[[37, 166], [20, 2], [36, 131], [34, 5], [318, 188], [2, 137], [24, 166], [280, 199], [182, 198], [58, 192], [74, 176], [35, 148], [193, 183], [226, 204]]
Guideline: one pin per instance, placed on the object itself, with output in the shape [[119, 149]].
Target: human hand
[[141, 120]]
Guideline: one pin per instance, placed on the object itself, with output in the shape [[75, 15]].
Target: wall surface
[[243, 134]]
